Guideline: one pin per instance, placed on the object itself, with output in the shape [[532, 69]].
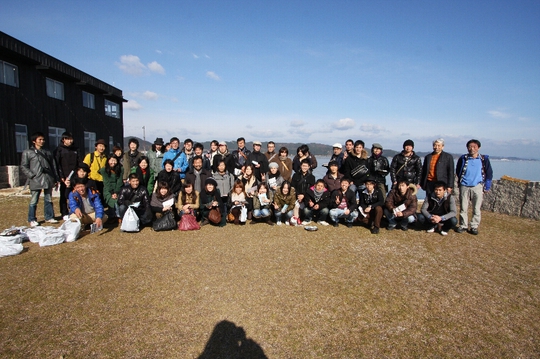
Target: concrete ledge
[[513, 196]]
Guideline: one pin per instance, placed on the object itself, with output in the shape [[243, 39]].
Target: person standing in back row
[[97, 160], [438, 166], [67, 160], [406, 166]]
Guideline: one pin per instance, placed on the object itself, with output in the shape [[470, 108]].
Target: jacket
[[156, 203], [323, 202], [190, 176], [444, 207], [356, 168], [333, 183], [395, 199], [156, 160], [40, 168], [260, 158], [285, 168], [76, 201], [148, 180], [408, 168], [289, 200], [225, 182], [67, 160], [375, 199], [487, 171], [131, 160], [378, 168], [238, 160], [112, 183], [350, 197], [180, 162], [257, 203], [129, 195], [95, 162], [296, 163], [301, 183], [172, 178], [444, 169]]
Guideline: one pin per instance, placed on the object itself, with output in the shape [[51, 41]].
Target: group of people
[[251, 186]]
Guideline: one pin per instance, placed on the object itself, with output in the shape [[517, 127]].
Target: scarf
[[318, 194]]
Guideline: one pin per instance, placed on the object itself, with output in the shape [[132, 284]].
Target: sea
[[522, 169]]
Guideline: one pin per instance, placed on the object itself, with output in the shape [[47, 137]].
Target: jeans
[[263, 212], [336, 214], [48, 205], [475, 195], [446, 225], [321, 213], [392, 219], [286, 216]]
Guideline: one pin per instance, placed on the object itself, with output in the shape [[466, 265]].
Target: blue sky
[[307, 71]]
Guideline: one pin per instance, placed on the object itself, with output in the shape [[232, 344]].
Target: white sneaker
[[52, 220], [34, 224], [65, 218], [278, 223], [323, 223], [431, 230], [305, 223], [443, 233]]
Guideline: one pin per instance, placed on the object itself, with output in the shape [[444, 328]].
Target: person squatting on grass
[[85, 205], [439, 210]]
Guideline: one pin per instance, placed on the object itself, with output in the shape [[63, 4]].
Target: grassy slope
[[334, 293]]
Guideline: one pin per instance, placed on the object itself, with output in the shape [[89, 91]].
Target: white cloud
[[157, 68], [207, 56], [499, 114], [195, 56], [159, 52], [132, 105], [131, 65], [149, 95], [212, 75], [297, 123], [344, 124], [375, 129]]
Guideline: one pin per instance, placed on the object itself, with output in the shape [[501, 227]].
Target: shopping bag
[[130, 222], [71, 228], [243, 214], [165, 222], [188, 223], [10, 249], [51, 237], [214, 215]]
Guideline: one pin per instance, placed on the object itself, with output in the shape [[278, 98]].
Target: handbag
[[165, 222], [214, 215], [188, 222], [361, 169]]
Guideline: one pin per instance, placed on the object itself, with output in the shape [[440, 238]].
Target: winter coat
[[260, 158], [180, 162], [67, 160], [444, 169], [395, 199], [350, 197], [156, 203], [444, 207], [406, 168], [112, 183], [301, 183], [156, 160], [236, 158], [148, 180], [40, 168], [257, 203], [323, 202], [356, 168], [227, 158], [280, 200], [131, 160], [285, 168], [375, 199], [129, 196], [76, 201], [378, 168], [333, 183], [95, 161], [225, 182], [172, 178], [296, 163], [190, 176]]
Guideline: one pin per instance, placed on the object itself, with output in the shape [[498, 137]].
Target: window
[[21, 138], [112, 109], [89, 142], [9, 74], [88, 100], [55, 137], [111, 143], [55, 89]]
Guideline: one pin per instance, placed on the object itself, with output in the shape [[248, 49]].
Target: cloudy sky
[[307, 71]]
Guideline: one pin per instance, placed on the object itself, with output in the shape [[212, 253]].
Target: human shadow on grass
[[229, 341]]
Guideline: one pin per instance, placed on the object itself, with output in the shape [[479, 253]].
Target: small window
[[55, 89], [89, 142], [55, 137], [112, 109], [21, 138], [9, 74], [88, 100]]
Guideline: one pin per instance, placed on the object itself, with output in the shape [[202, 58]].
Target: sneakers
[[52, 220], [460, 229], [294, 221], [474, 231], [390, 227], [323, 223], [34, 224], [66, 217], [306, 222], [443, 233], [278, 223], [431, 230], [375, 230]]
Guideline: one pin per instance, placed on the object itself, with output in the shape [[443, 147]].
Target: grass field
[[281, 292]]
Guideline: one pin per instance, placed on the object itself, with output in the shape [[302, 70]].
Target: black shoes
[[473, 231], [459, 229], [375, 230]]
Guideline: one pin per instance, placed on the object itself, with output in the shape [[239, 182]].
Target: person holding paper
[[400, 205], [162, 200]]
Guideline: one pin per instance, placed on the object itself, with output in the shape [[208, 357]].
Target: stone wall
[[11, 176], [514, 197]]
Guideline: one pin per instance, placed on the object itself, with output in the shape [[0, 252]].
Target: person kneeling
[[133, 193], [401, 205], [439, 210], [371, 204], [262, 203], [85, 205]]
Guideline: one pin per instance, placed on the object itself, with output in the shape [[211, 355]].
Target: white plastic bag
[[46, 236], [13, 235], [10, 249], [243, 214], [130, 222], [71, 229]]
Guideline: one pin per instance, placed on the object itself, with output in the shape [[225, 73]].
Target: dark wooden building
[[41, 93]]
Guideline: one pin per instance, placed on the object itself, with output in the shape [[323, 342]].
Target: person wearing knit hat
[[406, 165], [378, 166]]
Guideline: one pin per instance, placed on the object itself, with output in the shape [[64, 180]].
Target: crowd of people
[[251, 186]]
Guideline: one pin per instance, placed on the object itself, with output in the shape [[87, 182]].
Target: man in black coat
[[259, 161], [438, 166]]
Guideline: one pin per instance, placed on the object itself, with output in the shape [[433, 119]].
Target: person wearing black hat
[[97, 160], [67, 158], [155, 155], [378, 168], [406, 166]]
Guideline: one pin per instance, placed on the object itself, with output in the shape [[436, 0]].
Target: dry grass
[[334, 293]]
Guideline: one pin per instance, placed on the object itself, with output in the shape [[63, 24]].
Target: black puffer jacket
[[408, 168], [356, 168]]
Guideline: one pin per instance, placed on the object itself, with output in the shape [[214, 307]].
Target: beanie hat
[[408, 143]]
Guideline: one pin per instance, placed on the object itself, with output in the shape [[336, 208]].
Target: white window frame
[[55, 137], [112, 109], [89, 100], [21, 137], [55, 89], [7, 69], [89, 141]]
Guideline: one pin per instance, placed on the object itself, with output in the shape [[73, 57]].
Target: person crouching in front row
[[371, 205], [85, 204], [439, 210], [132, 193], [401, 205]]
